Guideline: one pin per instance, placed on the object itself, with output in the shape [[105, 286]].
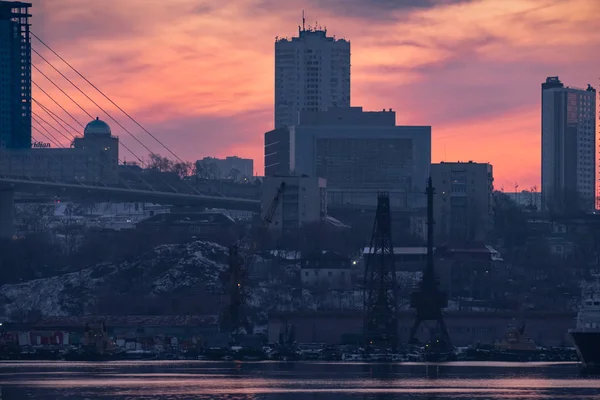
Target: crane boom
[[241, 257]]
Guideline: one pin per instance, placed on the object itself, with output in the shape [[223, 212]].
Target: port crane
[[234, 317], [380, 326]]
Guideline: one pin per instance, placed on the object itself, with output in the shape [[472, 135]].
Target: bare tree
[[183, 169], [158, 163], [207, 170]]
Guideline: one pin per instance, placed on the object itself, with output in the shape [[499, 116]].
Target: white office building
[[358, 152], [312, 72], [568, 147]]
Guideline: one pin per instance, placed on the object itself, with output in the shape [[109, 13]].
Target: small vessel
[[95, 347], [586, 335], [516, 347], [516, 340]]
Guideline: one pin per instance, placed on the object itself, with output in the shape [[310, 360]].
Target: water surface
[[182, 380]]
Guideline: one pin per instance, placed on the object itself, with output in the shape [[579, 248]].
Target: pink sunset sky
[[199, 74]]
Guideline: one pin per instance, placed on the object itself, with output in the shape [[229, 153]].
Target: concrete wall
[[465, 328]]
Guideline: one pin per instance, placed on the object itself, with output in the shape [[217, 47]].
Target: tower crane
[[234, 317]]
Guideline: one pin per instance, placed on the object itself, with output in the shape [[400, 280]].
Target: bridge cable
[[33, 113], [77, 133], [52, 139], [46, 137], [43, 107], [85, 111], [103, 164], [50, 114], [63, 92], [105, 96], [55, 116], [108, 114], [58, 104], [90, 99]]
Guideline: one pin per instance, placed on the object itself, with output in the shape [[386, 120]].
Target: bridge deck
[[177, 194]]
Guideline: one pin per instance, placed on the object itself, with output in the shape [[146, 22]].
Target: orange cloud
[[200, 74]]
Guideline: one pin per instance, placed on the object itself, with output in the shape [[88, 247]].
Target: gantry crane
[[380, 287], [234, 317]]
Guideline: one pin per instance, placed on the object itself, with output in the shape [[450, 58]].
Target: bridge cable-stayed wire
[[50, 114], [106, 97], [108, 114], [55, 116], [83, 109], [33, 113], [62, 91], [57, 103], [40, 125], [90, 99], [46, 137], [58, 144], [99, 162], [73, 135], [141, 179]]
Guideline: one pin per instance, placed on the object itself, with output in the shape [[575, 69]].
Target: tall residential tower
[[15, 75], [568, 147], [312, 72]]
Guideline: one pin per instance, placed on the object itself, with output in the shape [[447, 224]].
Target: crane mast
[[241, 258]]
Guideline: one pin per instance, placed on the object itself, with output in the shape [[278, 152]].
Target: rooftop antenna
[[303, 20]]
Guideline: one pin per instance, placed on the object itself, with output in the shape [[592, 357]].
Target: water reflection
[[270, 381]]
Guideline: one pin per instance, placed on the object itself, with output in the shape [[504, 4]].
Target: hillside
[[167, 269], [170, 279]]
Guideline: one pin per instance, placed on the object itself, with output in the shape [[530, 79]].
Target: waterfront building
[[312, 72], [358, 152], [569, 176], [463, 201]]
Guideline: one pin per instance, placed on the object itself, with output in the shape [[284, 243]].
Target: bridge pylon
[[7, 199]]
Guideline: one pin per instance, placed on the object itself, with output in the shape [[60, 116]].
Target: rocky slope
[[164, 271], [171, 278]]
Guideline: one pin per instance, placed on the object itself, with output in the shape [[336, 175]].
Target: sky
[[198, 75]]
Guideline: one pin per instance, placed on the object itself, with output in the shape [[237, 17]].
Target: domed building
[[102, 149], [97, 128], [92, 158]]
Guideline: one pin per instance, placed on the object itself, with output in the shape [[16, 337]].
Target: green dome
[[97, 128]]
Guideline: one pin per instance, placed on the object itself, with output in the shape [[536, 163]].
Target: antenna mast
[[303, 20]]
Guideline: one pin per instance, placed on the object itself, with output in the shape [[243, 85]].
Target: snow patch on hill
[[166, 269]]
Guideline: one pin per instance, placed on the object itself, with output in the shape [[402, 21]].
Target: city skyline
[[192, 76]]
